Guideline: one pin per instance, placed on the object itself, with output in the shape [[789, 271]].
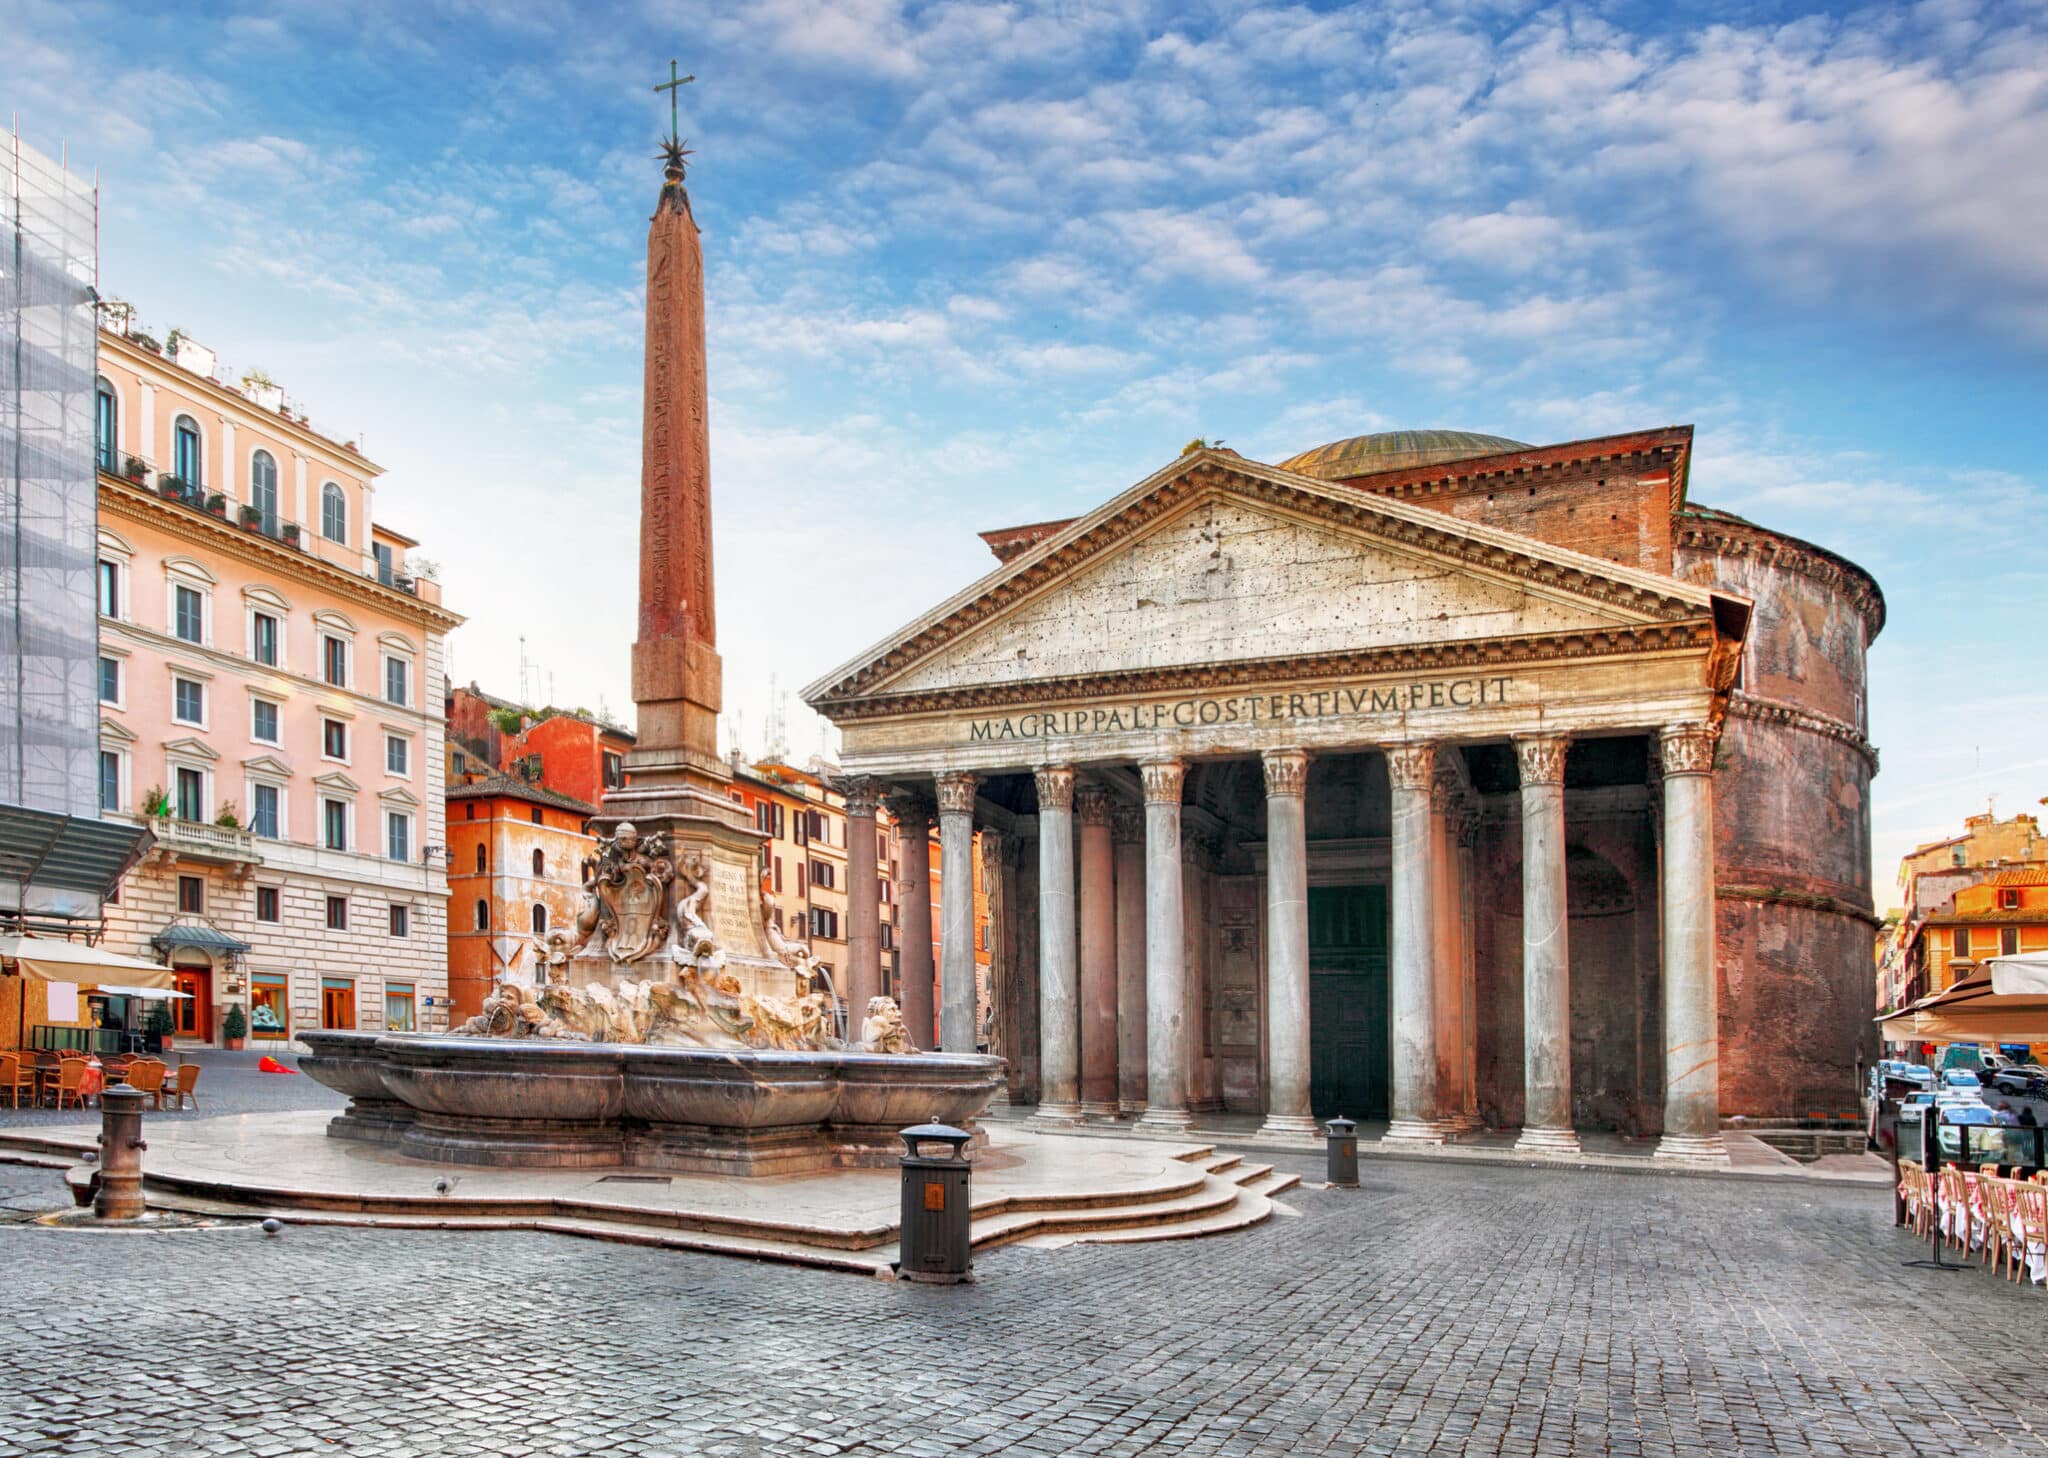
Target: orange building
[[570, 753], [515, 858], [2004, 914]]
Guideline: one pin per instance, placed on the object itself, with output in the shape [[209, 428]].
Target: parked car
[[1960, 1078]]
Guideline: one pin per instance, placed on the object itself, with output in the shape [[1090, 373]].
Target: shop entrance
[[192, 1014]]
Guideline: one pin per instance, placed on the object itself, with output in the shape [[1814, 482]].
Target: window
[[110, 680], [483, 860], [778, 875], [535, 815], [381, 551], [888, 937], [2009, 900], [263, 811], [334, 739], [110, 588], [614, 770], [185, 453], [2008, 941], [334, 824], [397, 754], [540, 863], [822, 874], [483, 915], [188, 614], [824, 923], [191, 794], [333, 514], [263, 489], [263, 721], [397, 835], [397, 681], [337, 913], [800, 877], [460, 762], [398, 1000], [540, 919], [263, 638], [110, 780], [1959, 942], [269, 994], [191, 894], [267, 908], [334, 661], [401, 922], [188, 701], [337, 997], [106, 436]]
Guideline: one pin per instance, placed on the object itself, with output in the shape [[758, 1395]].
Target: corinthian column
[[1287, 1035], [1094, 807], [1692, 1034], [863, 900], [913, 816], [1546, 951], [956, 913], [1417, 1115], [1166, 1052], [1128, 836], [1059, 1033]]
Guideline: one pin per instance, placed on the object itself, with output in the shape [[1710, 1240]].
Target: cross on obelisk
[[673, 85]]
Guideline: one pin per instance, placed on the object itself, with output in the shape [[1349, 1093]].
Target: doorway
[[1350, 1011], [337, 1002], [192, 1014]]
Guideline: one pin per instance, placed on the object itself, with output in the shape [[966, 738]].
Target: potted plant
[[228, 819], [169, 487], [156, 805], [146, 341], [234, 1027], [217, 504], [133, 468], [291, 534], [158, 1027], [250, 518]]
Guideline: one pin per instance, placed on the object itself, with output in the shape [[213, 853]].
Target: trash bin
[[1343, 1153], [935, 1240]]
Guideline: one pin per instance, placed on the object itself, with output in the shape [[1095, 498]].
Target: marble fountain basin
[[551, 1103]]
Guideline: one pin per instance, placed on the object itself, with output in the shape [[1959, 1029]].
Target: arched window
[[185, 454], [263, 489], [540, 863], [483, 915], [483, 861], [333, 514], [540, 919], [106, 434]]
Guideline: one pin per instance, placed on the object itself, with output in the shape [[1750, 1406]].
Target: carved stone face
[[628, 836]]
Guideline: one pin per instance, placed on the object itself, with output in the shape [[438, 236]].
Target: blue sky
[[977, 264]]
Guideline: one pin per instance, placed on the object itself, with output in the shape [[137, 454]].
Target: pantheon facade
[[1427, 778]]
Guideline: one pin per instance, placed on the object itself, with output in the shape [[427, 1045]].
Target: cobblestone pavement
[[228, 1084], [1436, 1310]]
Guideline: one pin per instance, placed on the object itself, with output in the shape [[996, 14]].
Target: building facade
[[516, 853], [1922, 948], [1428, 778], [270, 682]]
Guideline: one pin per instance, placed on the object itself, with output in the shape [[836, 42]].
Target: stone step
[[1215, 1194], [1223, 1162]]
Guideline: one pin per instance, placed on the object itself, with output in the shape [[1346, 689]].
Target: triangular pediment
[[191, 748], [1219, 560]]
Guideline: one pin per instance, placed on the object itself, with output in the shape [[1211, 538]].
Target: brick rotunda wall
[[1792, 822]]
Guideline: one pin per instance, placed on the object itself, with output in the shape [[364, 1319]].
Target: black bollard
[[935, 1242], [1343, 1153]]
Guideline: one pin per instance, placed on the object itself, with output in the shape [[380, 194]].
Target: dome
[[1391, 450]]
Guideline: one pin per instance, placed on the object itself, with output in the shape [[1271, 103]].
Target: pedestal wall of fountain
[[558, 1104]]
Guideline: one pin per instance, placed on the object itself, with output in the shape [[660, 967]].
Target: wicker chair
[[146, 1075], [1997, 1219], [70, 1082], [17, 1076], [184, 1085], [2033, 1203]]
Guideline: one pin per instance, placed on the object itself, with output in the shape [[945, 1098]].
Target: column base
[[1540, 1140], [1698, 1148], [1129, 1108], [1056, 1116], [1417, 1131], [1100, 1109], [1171, 1121], [1294, 1128]]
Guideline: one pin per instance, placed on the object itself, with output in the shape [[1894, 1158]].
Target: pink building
[[271, 681]]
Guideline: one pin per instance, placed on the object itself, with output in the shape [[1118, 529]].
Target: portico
[[1316, 803]]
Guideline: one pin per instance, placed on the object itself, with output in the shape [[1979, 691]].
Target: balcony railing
[[202, 841]]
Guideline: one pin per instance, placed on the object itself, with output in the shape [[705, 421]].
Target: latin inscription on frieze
[[1247, 710], [734, 903]]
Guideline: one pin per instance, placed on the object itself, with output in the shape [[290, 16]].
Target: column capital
[[1687, 749], [1286, 771], [1162, 781], [863, 794], [1055, 787], [910, 810], [956, 792], [1094, 804], [1469, 823], [1411, 766], [994, 846], [1127, 825], [1540, 757]]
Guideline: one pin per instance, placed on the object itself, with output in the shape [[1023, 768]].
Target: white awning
[[154, 994], [2024, 975], [60, 961]]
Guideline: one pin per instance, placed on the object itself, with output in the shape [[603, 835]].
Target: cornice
[[1719, 536], [123, 498], [1792, 716], [1695, 636], [1805, 900], [1416, 529]]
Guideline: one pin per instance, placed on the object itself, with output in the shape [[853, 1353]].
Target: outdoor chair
[[146, 1075], [16, 1078], [71, 1081], [2033, 1203], [1951, 1205], [1997, 1220], [184, 1085]]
